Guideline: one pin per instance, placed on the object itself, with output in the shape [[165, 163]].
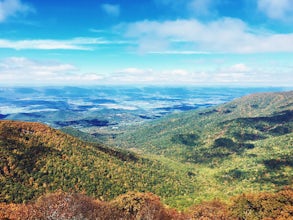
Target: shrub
[[210, 210], [263, 205], [147, 206], [224, 142]]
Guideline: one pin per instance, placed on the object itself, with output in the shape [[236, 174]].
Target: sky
[[146, 42]]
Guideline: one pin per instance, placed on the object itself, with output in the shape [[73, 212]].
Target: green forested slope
[[242, 146], [227, 129]]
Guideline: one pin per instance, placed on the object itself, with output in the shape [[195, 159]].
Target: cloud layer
[[23, 71], [226, 35], [79, 43]]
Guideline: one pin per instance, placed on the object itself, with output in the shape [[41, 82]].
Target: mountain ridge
[[184, 158], [243, 145], [212, 119]]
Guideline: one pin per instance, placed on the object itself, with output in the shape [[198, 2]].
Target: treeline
[[147, 206]]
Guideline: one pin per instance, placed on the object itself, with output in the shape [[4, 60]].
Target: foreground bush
[[65, 206], [210, 210], [59, 206], [267, 206], [143, 206], [147, 206]]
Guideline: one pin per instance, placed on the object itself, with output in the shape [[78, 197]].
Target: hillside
[[243, 121], [36, 159], [242, 146]]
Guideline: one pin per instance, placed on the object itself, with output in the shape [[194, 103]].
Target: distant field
[[95, 109]]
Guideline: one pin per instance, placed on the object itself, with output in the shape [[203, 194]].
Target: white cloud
[[111, 9], [227, 35], [180, 52], [235, 74], [238, 73], [23, 71], [10, 8], [238, 68], [50, 44], [277, 9], [145, 76], [31, 67]]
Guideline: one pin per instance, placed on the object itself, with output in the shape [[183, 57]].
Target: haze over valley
[[105, 108]]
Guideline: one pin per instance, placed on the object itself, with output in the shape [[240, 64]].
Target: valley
[[109, 108], [184, 157]]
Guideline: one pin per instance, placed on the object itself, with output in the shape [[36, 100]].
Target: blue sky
[[154, 42]]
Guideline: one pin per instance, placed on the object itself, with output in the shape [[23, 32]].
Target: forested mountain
[[234, 126], [241, 146], [244, 146], [36, 159]]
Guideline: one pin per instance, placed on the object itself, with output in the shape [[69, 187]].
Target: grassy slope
[[242, 146]]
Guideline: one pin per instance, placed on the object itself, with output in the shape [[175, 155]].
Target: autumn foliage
[[147, 206], [36, 159], [210, 210], [63, 206], [267, 206], [135, 205]]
